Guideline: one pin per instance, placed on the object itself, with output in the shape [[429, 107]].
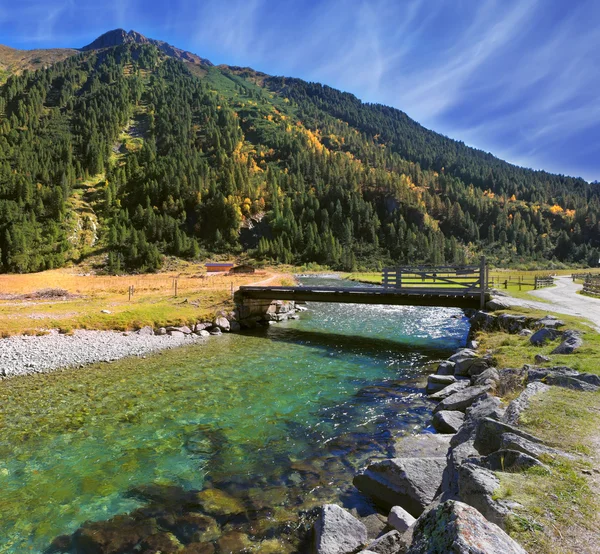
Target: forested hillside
[[128, 154]]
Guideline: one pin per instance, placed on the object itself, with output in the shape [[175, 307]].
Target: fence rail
[[592, 285], [542, 282]]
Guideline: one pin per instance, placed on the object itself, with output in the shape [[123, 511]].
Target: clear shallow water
[[250, 414]]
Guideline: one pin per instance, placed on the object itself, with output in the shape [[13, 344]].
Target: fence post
[[519, 282], [175, 287], [482, 282], [535, 283], [399, 279]]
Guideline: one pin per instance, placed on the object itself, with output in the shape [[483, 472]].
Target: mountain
[[14, 61], [131, 149], [119, 37]]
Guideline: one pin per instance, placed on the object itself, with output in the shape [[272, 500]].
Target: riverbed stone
[[544, 335], [461, 400], [199, 548], [234, 542], [447, 421], [217, 502], [119, 534], [460, 529], [337, 532], [400, 519], [571, 341], [165, 543], [450, 389], [191, 527], [408, 482]]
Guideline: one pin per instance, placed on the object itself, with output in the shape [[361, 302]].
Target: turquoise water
[[284, 415]]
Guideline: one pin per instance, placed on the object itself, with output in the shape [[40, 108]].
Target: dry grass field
[[65, 299]]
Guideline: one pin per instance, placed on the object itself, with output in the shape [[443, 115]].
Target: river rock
[[446, 368], [449, 390], [179, 329], [514, 409], [510, 460], [544, 335], [463, 399], [511, 441], [490, 376], [119, 534], [467, 362], [390, 543], [447, 421], [161, 331], [165, 543], [203, 326], [400, 519], [216, 331], [497, 303], [423, 445], [408, 482], [525, 333], [199, 548], [234, 542], [460, 529], [476, 486], [222, 323], [202, 333], [571, 341], [217, 502], [147, 330], [487, 406], [490, 432], [191, 527], [338, 532], [436, 383]]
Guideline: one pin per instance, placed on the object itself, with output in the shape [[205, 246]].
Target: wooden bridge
[[459, 287]]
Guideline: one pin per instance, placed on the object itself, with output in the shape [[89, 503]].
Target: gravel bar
[[23, 355]]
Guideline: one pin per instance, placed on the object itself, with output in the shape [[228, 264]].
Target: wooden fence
[[542, 282], [591, 285]]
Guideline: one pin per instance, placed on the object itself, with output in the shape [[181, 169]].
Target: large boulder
[[511, 441], [544, 335], [510, 460], [571, 341], [222, 323], [176, 330], [571, 382], [514, 409], [467, 362], [489, 435], [408, 482], [476, 486], [490, 376], [447, 421], [457, 528], [549, 321], [566, 377], [463, 399], [487, 406], [445, 368], [400, 519], [450, 389], [423, 445], [338, 532]]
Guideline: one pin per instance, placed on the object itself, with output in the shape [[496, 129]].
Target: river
[[279, 418]]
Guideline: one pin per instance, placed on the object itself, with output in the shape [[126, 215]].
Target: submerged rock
[[460, 529], [338, 532], [218, 503]]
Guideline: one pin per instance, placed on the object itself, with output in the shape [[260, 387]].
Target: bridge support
[[251, 312]]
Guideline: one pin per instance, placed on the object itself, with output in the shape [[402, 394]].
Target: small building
[[242, 268], [216, 267]]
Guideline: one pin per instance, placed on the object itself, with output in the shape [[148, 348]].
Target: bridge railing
[[464, 279]]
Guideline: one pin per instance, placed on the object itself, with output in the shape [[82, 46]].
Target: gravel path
[[23, 355], [563, 299]]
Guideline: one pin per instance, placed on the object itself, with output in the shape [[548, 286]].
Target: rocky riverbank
[[23, 355], [441, 495]]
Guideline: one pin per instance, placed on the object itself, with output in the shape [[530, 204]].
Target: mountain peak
[[118, 37]]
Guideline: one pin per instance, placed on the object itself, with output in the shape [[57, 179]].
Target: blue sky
[[520, 79]]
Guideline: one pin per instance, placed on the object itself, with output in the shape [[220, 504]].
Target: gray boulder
[[572, 382], [457, 456], [179, 329], [539, 373], [338, 532], [424, 445], [147, 331], [175, 333], [202, 326], [510, 460], [487, 406], [463, 399], [436, 383], [202, 333], [549, 321], [490, 432], [450, 389], [540, 359], [222, 323], [468, 362], [400, 519], [544, 335], [390, 543], [161, 331], [476, 486], [514, 409], [408, 482], [571, 341], [525, 333], [215, 331], [447, 421], [457, 528], [488, 377], [511, 441], [497, 303]]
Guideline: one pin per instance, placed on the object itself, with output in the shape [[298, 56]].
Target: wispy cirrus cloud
[[515, 77]]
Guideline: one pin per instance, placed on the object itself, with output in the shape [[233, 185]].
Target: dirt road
[[563, 298]]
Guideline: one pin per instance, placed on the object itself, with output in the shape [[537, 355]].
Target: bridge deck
[[369, 295]]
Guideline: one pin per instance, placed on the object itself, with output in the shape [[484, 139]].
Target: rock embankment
[[442, 501]]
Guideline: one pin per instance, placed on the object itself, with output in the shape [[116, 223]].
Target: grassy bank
[[559, 511], [66, 300]]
